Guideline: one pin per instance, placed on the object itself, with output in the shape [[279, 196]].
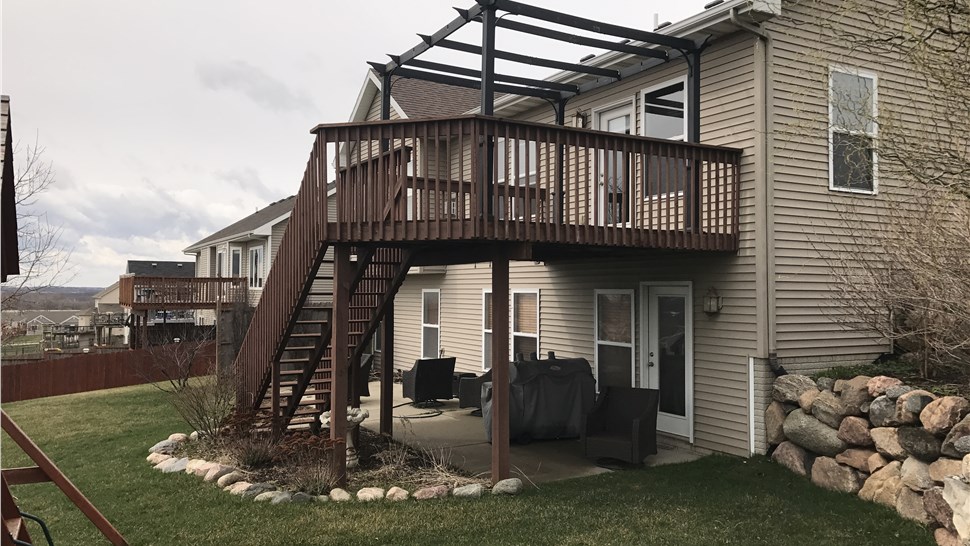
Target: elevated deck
[[140, 293]]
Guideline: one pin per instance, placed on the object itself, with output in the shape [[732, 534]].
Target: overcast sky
[[167, 120]]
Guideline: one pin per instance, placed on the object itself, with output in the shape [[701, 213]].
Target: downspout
[[766, 205]]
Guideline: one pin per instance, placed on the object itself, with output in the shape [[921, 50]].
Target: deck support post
[[694, 136], [387, 372], [343, 274], [500, 364]]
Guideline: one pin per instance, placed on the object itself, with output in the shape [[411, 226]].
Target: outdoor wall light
[[713, 302]]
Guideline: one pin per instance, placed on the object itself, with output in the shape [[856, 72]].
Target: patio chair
[[363, 376], [470, 391], [622, 425], [429, 380]]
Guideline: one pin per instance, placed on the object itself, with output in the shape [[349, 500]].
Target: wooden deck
[[174, 293]]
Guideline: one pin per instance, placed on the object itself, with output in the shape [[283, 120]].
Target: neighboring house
[[694, 263], [108, 318]]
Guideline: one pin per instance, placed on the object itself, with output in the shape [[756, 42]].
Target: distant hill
[[57, 297]]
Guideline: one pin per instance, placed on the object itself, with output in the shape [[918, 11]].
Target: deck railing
[[484, 178], [172, 293]]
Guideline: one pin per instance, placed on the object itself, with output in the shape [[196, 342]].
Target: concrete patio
[[461, 434]]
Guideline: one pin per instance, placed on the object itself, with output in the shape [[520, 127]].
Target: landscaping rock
[[435, 492], [282, 498], [942, 414], [513, 486], [268, 496], [178, 437], [942, 468], [825, 383], [882, 412], [877, 385], [323, 498], [919, 442], [960, 430], [807, 400], [774, 423], [856, 458], [397, 494], [811, 434], [217, 472], [937, 508], [855, 431], [962, 446], [909, 504], [792, 457], [155, 458], [876, 462], [471, 491], [257, 488], [202, 470], [239, 488], [194, 436], [174, 465], [956, 493], [302, 498], [910, 405], [230, 478], [855, 395], [966, 466], [339, 495], [194, 464], [370, 494], [829, 474], [837, 386], [916, 474], [895, 392], [944, 537], [165, 447], [886, 440], [788, 388], [883, 486]]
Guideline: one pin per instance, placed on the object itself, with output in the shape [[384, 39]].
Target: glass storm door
[[667, 358], [613, 170]]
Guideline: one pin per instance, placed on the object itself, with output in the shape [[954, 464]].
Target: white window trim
[[220, 262], [485, 365], [262, 267], [852, 71], [424, 325], [633, 336], [235, 250], [513, 333], [630, 103], [681, 138]]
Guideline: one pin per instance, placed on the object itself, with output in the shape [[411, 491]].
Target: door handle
[[650, 364]]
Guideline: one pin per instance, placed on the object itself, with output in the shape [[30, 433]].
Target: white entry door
[[666, 358], [613, 177]]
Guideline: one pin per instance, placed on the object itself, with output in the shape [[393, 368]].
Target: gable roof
[[424, 99], [250, 223], [155, 268], [48, 316]]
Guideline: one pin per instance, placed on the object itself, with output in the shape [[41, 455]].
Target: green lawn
[[22, 345], [100, 441]]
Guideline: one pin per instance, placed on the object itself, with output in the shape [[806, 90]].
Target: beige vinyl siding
[[275, 239]]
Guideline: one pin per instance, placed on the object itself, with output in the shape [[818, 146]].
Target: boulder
[[911, 404], [807, 400], [886, 440], [202, 470], [883, 486], [217, 472], [882, 412], [238, 488], [165, 447], [194, 436], [792, 457], [960, 430], [513, 486], [828, 408], [339, 495], [895, 392], [173, 465], [962, 445], [274, 497], [915, 474], [811, 434], [323, 498], [919, 442], [942, 414], [956, 493], [257, 488], [829, 474], [471, 491], [397, 494], [943, 467], [855, 395], [966, 466], [909, 504], [877, 385], [178, 437], [370, 494], [944, 537], [837, 386], [825, 383], [876, 462], [787, 388], [230, 478], [302, 498], [855, 431], [774, 423], [194, 464], [155, 458], [856, 458], [435, 492], [937, 508]]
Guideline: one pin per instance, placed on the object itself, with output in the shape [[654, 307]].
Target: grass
[[100, 441], [21, 345]]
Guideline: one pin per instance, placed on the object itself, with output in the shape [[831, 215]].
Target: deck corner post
[[387, 372], [500, 364], [343, 273]]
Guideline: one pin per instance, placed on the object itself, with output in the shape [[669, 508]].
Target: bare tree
[[44, 259]]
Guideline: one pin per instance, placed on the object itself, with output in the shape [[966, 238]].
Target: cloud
[[255, 84], [247, 180]]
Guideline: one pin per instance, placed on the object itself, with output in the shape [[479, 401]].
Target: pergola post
[[694, 133], [342, 277], [500, 364], [387, 371], [488, 60]]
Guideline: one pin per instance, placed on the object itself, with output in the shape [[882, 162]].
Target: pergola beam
[[443, 33], [472, 73], [535, 61], [581, 40], [471, 84]]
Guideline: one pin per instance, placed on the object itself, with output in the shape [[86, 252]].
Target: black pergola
[[646, 47]]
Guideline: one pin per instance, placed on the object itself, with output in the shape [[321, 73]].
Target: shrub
[[254, 450]]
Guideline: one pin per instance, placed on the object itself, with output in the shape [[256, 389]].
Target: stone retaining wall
[[884, 441]]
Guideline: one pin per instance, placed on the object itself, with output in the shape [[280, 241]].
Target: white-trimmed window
[[517, 167], [430, 323], [614, 323], [220, 261], [665, 115], [486, 329], [235, 264], [852, 130], [525, 323], [256, 267]]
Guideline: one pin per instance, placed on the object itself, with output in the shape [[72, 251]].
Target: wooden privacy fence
[[93, 372]]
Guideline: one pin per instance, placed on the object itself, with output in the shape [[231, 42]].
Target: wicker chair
[[622, 425], [429, 380], [470, 390]]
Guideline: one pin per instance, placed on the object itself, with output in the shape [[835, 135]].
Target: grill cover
[[547, 399]]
